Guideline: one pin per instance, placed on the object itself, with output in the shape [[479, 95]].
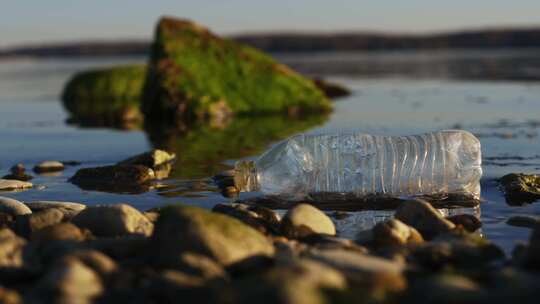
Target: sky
[[26, 21]]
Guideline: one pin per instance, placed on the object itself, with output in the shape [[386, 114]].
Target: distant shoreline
[[301, 42]]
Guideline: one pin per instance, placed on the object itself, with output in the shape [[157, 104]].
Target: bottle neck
[[245, 176]]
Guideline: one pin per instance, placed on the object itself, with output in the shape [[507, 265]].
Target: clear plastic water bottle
[[361, 164]]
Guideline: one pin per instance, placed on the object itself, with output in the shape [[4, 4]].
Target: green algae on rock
[[196, 74], [107, 96], [521, 188]]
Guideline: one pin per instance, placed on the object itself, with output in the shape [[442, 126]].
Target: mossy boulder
[[195, 74], [105, 96]]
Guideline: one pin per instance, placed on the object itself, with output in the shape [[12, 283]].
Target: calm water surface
[[498, 99]]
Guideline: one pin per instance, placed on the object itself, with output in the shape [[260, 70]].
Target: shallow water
[[505, 114]]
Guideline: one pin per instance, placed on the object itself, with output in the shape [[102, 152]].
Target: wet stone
[[10, 184], [521, 188], [523, 221], [113, 220], [303, 220], [13, 207], [49, 167], [422, 216]]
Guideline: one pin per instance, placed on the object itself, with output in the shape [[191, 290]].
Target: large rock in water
[[105, 96], [194, 74], [182, 229]]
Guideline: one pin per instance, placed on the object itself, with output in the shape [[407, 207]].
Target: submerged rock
[[49, 166], [113, 220], [521, 188], [132, 178], [9, 184], [105, 96], [180, 229], [195, 74], [13, 207], [303, 220]]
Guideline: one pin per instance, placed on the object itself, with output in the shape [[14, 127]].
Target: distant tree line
[[306, 42]]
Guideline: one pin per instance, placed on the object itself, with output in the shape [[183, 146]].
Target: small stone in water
[[9, 184], [49, 166], [523, 221], [17, 169]]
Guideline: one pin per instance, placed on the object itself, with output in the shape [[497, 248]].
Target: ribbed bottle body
[[439, 162]]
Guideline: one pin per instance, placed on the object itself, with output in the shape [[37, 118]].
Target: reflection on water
[[202, 149]]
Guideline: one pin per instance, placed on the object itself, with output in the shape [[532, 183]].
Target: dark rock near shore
[[131, 179], [18, 172], [331, 89], [181, 229], [521, 188]]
